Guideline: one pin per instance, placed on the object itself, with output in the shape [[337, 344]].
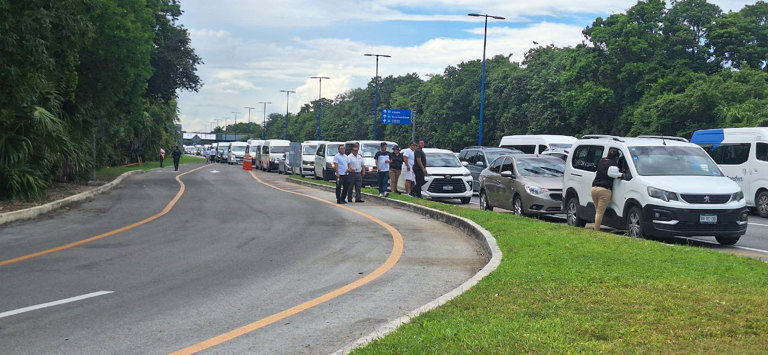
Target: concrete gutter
[[474, 230], [34, 212]]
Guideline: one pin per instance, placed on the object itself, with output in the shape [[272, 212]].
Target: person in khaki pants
[[602, 186]]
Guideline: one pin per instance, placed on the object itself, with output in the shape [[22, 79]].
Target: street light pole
[[249, 112], [264, 130], [376, 92], [482, 75], [320, 103], [287, 93], [235, 124]]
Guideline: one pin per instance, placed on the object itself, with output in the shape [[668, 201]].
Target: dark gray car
[[524, 184], [479, 158]]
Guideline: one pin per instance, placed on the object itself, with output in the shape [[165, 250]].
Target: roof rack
[[601, 136], [672, 138]]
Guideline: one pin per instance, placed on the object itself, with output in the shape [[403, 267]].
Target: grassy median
[[110, 173], [561, 289]]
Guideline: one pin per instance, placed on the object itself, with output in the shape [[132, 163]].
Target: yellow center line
[[394, 257], [165, 210]]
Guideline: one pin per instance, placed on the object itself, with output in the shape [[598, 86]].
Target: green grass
[[109, 173], [561, 289]]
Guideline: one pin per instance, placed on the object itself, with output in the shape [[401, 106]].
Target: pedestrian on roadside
[[357, 167], [382, 169], [408, 161], [419, 169], [395, 168], [341, 167], [176, 154], [602, 185], [162, 155]]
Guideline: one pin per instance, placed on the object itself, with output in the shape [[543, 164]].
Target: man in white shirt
[[408, 161], [341, 166], [357, 171]]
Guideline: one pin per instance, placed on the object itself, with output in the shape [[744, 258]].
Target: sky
[[253, 49]]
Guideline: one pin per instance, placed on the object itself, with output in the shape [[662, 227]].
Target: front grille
[[556, 196], [437, 186], [706, 199]]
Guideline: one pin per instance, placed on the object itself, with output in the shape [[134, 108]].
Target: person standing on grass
[[408, 162], [162, 155], [382, 169], [341, 167], [176, 158], [419, 169], [357, 171], [602, 185], [395, 168]]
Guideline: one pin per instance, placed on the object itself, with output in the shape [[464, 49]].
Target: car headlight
[[467, 174], [370, 168], [737, 196], [535, 190], [663, 195]]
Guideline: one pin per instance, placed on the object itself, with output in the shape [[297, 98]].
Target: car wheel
[[484, 205], [635, 223], [517, 206], [727, 240], [465, 200], [572, 213], [762, 204]]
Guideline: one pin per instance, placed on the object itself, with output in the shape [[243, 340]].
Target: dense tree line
[[656, 69], [87, 83]]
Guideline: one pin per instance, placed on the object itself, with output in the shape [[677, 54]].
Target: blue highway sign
[[395, 116]]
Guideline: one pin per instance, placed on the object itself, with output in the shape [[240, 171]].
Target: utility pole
[[376, 92], [482, 75], [264, 130], [235, 124], [287, 93], [320, 108]]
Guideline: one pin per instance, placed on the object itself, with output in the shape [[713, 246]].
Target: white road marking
[[758, 224], [54, 303], [732, 246], [214, 171]]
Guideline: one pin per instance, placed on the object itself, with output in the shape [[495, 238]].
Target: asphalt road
[[231, 252]]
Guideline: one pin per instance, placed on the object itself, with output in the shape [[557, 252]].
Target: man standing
[[395, 167], [419, 169], [176, 157], [408, 162], [341, 167], [382, 167], [357, 171], [162, 155]]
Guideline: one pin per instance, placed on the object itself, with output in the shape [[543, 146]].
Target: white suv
[[669, 188]]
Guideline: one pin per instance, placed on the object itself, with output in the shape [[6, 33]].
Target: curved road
[[231, 252]]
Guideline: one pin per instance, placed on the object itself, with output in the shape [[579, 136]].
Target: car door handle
[[572, 174]]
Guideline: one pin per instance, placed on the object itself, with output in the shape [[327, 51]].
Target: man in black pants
[[176, 157], [419, 169], [341, 166]]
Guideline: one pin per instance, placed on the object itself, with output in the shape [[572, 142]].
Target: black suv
[[478, 158]]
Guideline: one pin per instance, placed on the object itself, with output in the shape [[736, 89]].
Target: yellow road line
[[394, 257], [165, 210]]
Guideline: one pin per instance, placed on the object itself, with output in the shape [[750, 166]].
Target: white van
[[236, 152], [254, 150], [308, 151], [324, 160], [222, 152], [272, 151], [536, 143], [669, 188], [742, 154], [368, 149]]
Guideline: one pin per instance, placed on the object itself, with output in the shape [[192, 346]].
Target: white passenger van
[[222, 152], [308, 151], [368, 149], [236, 152], [536, 143], [254, 150], [669, 187], [742, 154], [324, 160], [272, 151]]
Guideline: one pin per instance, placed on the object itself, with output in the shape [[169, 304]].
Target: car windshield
[[542, 166], [443, 160], [238, 148], [369, 150], [491, 155], [667, 160], [279, 149], [333, 149], [308, 149]]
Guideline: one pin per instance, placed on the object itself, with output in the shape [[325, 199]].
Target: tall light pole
[[287, 93], [211, 125], [249, 112], [376, 92], [235, 124], [264, 130], [482, 75], [320, 102]]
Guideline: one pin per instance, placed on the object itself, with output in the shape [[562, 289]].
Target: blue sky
[[254, 49]]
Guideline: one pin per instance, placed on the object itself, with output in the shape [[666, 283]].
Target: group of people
[[176, 154], [350, 169]]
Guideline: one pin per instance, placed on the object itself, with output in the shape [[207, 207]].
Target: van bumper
[[664, 221]]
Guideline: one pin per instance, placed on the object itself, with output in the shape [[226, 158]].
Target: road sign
[[395, 116]]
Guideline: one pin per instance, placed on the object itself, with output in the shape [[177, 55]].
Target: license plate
[[708, 219], [447, 188]]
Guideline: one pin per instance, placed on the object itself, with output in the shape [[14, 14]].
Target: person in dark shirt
[[382, 168], [602, 186], [395, 168], [419, 169], [176, 157]]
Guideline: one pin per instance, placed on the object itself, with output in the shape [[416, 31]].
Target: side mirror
[[464, 163], [507, 174], [613, 172]]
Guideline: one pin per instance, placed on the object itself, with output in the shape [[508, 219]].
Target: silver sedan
[[524, 184]]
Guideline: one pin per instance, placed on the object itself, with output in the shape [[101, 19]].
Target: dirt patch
[[57, 192]]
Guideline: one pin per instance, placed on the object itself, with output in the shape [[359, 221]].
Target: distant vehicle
[[308, 150], [254, 150], [742, 154], [368, 149], [557, 153], [447, 179], [283, 165], [236, 152], [324, 160], [662, 188], [479, 158], [536, 143], [222, 152], [523, 183], [271, 152]]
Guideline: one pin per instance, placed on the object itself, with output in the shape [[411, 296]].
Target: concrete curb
[[486, 240], [34, 212]]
